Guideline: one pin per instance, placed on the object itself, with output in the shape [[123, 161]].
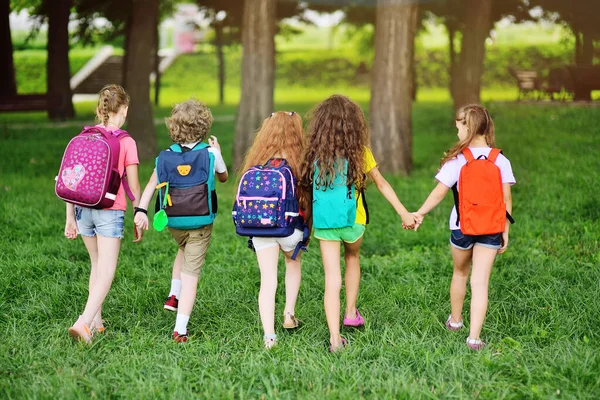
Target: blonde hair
[[281, 135], [479, 123], [112, 98], [189, 122]]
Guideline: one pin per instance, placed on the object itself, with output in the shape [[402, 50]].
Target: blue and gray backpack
[[186, 185], [334, 205]]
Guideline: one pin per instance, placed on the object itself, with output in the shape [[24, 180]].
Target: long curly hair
[[280, 136], [479, 123], [111, 99], [189, 122], [337, 131]]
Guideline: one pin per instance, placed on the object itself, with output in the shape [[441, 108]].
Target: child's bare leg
[[352, 277], [458, 287], [330, 253], [176, 274], [108, 255], [194, 249], [189, 287], [267, 262], [92, 247], [293, 277], [483, 259]]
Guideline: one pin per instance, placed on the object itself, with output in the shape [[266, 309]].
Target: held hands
[[213, 142], [71, 229], [408, 221], [418, 219], [138, 234], [141, 221]]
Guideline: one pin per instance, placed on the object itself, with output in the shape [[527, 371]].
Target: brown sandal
[[290, 322]]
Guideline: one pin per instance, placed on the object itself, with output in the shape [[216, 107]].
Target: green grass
[[542, 325]]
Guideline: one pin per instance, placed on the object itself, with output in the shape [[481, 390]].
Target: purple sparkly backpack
[[89, 174], [265, 202]]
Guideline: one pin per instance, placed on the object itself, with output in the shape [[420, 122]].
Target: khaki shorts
[[194, 243]]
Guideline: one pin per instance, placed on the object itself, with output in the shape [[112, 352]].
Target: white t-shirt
[[220, 166], [448, 174]]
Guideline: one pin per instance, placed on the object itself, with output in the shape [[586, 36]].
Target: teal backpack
[[186, 183], [334, 206]]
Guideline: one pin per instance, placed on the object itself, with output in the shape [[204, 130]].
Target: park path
[[74, 124]]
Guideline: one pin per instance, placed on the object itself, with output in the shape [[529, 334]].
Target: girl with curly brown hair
[[338, 159]]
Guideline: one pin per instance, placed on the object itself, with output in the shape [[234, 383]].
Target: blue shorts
[[465, 242], [107, 223]]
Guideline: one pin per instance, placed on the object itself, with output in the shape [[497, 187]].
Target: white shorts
[[287, 243]]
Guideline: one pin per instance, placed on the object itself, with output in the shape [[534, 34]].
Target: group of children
[[333, 155]]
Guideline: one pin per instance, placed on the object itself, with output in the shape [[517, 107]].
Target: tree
[[467, 87], [258, 72], [581, 17], [57, 63], [471, 21], [392, 81], [8, 83], [141, 50]]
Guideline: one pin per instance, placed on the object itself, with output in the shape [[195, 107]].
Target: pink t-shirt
[[127, 156]]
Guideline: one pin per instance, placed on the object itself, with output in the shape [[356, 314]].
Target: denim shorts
[[465, 242], [107, 223]]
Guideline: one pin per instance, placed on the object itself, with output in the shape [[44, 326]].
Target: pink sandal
[[355, 322]]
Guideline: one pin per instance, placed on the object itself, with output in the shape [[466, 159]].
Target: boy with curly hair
[[188, 126]]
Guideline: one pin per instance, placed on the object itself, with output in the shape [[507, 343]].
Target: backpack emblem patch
[[72, 176], [184, 170]]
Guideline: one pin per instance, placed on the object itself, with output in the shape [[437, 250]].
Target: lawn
[[542, 326]]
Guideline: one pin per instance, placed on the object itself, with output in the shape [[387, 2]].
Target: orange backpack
[[480, 203]]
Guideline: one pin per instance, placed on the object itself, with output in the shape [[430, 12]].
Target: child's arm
[[508, 201], [435, 197], [71, 224], [141, 219], [134, 185], [408, 220], [221, 176]]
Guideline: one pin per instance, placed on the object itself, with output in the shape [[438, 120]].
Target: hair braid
[[105, 115]]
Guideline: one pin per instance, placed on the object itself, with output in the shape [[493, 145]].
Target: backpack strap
[[494, 155], [119, 134], [455, 194], [468, 155]]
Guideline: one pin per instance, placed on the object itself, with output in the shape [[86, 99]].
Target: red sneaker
[[180, 338], [171, 303]]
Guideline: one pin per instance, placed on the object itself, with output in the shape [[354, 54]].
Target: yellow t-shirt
[[370, 163]]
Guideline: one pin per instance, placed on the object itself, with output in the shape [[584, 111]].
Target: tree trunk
[[8, 83], [392, 81], [587, 49], [452, 55], [156, 65], [57, 64], [578, 46], [219, 43], [472, 55], [139, 65], [258, 72]]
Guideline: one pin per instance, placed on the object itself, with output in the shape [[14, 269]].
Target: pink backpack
[[89, 174]]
